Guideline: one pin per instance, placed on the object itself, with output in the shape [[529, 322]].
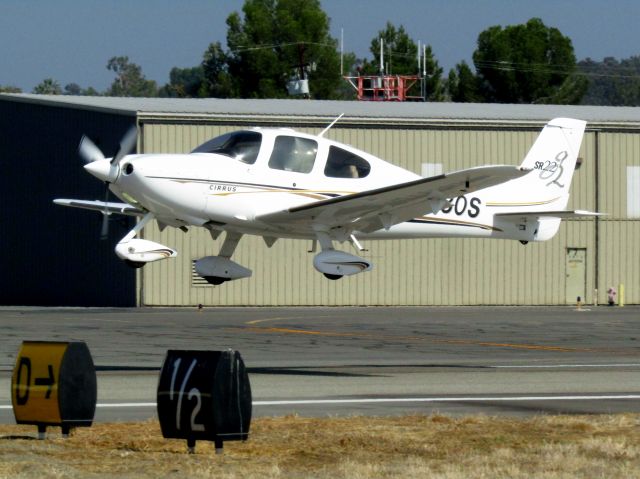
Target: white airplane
[[278, 183]]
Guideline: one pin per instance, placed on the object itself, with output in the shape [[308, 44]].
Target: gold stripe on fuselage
[[534, 203]]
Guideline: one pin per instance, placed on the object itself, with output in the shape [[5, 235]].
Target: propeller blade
[[128, 143], [88, 151], [104, 230]]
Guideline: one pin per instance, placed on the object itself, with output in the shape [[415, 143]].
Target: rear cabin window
[[240, 145], [344, 164], [292, 153]]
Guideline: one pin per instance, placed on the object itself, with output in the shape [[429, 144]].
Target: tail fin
[[553, 159], [535, 203]]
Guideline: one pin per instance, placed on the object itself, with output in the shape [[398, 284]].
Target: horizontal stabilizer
[[101, 206], [562, 214]]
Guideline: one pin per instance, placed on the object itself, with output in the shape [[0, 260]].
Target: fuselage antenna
[[329, 127]]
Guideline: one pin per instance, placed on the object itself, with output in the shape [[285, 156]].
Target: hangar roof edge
[[392, 111]]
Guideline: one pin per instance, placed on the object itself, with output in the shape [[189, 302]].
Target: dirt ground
[[357, 447]]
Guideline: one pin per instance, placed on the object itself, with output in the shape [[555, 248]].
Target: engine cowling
[[143, 251], [334, 263], [217, 267]]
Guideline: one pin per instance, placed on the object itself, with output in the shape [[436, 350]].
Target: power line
[[246, 48], [580, 70]]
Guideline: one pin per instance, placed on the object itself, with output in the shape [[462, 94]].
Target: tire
[[332, 277], [134, 264]]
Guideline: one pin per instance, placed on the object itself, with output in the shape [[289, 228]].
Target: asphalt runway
[[352, 361]]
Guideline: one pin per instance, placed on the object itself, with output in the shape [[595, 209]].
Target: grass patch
[[357, 447]]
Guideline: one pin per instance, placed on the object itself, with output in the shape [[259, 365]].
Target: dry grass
[[359, 447]]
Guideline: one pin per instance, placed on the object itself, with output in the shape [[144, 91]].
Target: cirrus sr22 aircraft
[[278, 183]]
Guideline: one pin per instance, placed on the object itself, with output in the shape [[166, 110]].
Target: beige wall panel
[[620, 258], [180, 138], [583, 187], [456, 148], [406, 272], [617, 151]]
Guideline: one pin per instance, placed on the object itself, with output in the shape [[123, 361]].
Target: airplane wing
[[562, 214], [101, 206], [372, 210]]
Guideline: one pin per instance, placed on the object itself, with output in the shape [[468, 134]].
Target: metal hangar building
[[52, 255]]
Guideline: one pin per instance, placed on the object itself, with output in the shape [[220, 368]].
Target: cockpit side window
[[344, 164], [241, 145], [292, 153]]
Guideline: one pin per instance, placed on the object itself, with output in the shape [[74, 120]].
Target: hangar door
[[576, 276]]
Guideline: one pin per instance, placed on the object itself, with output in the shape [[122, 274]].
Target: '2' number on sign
[[193, 393]]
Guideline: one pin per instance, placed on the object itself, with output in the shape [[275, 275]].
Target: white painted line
[[107, 405], [552, 366], [127, 404], [294, 402], [445, 399]]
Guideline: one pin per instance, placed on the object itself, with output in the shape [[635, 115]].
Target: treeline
[[275, 41]]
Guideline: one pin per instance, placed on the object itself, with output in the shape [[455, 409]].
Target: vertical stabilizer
[[553, 159], [530, 208]]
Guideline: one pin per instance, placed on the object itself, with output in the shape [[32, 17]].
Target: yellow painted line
[[511, 345], [267, 320], [274, 330], [302, 331]]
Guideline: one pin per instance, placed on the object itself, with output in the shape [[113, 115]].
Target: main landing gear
[[336, 264], [218, 269]]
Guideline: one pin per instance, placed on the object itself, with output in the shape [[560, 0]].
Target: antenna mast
[[341, 51]]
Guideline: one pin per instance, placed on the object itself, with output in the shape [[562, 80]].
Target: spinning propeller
[[106, 169]]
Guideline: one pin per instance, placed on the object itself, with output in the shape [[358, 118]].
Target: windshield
[[241, 145]]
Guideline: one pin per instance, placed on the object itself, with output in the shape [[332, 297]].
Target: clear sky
[[72, 40]]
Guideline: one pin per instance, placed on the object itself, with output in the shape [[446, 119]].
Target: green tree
[[351, 65], [48, 86], [434, 84], [527, 63], [274, 41], [72, 89], [183, 83], [90, 91], [401, 58], [399, 50], [9, 89], [130, 81], [462, 85], [611, 81], [217, 81], [75, 89]]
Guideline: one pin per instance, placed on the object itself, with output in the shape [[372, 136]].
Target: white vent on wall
[[196, 279], [633, 191], [431, 169]]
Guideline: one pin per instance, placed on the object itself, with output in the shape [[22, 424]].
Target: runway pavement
[[348, 361]]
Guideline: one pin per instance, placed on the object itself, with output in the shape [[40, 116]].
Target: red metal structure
[[386, 87]]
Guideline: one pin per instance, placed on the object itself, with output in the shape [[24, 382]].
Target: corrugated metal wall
[[619, 235], [406, 272], [52, 256]]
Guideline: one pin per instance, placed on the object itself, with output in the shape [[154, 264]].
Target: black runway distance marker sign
[[204, 395]]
